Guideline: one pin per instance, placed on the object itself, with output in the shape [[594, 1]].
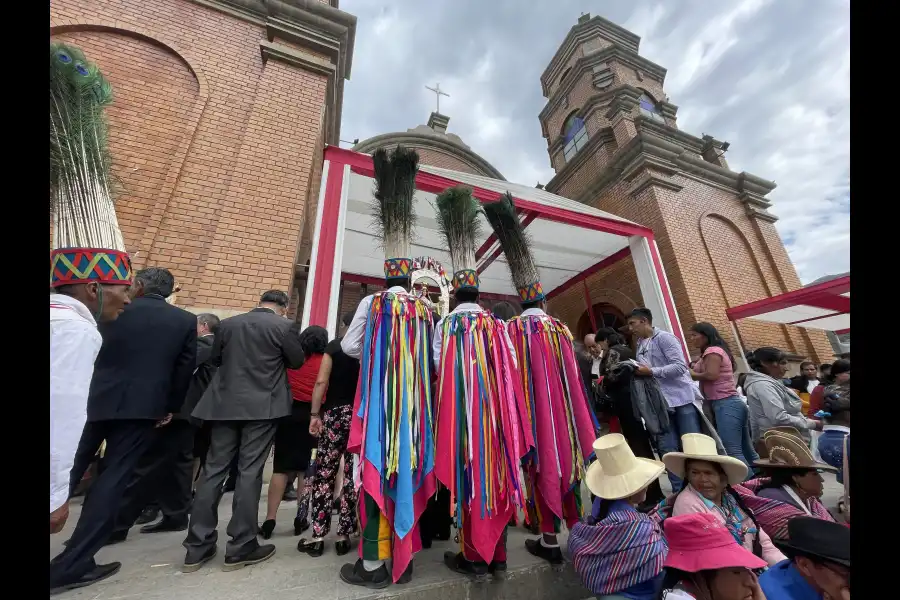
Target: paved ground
[[151, 569]]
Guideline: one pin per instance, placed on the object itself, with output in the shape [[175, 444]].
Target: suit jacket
[[252, 351], [144, 367], [203, 374]]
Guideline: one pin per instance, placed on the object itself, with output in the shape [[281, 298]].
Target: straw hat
[[789, 452], [618, 473], [702, 447], [783, 429]]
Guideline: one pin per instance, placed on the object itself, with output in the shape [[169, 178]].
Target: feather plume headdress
[[395, 188], [502, 216], [457, 219], [87, 241]]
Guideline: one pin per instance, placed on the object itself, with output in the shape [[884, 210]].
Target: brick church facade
[[222, 110], [223, 107]]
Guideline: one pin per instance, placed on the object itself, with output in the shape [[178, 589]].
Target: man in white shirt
[[80, 297]]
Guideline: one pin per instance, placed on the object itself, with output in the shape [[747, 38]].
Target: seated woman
[[771, 403], [710, 478], [704, 562], [293, 443], [617, 551], [790, 488]]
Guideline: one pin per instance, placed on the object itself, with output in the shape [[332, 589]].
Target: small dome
[[436, 147]]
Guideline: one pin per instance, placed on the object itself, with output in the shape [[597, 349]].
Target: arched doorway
[[605, 315]]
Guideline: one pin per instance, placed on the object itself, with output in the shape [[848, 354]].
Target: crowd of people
[[407, 416]]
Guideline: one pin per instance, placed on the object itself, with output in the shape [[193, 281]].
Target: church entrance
[[605, 315]]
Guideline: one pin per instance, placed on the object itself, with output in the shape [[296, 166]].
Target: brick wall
[[214, 151]]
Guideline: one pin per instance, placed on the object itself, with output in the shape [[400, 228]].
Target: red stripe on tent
[[825, 295], [597, 267], [361, 164]]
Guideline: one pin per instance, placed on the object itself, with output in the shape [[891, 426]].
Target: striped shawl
[[624, 549]]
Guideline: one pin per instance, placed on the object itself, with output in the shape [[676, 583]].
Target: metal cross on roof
[[438, 92]]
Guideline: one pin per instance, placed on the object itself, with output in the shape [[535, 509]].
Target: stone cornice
[[438, 142], [581, 33], [669, 156], [286, 54], [587, 62], [312, 25], [625, 100]]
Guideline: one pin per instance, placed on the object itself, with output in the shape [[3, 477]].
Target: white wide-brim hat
[[697, 446], [618, 473]]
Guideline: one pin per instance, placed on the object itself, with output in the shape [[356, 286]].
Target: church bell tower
[[614, 142]]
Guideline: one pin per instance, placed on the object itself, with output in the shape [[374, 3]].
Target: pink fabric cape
[[477, 458], [560, 416]]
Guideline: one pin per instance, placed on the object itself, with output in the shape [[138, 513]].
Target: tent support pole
[[740, 345]]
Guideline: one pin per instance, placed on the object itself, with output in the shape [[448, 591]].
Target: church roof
[[433, 136]]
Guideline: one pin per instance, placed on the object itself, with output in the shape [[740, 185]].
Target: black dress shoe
[[165, 524], [116, 537], [497, 568], [342, 547], [356, 574], [552, 555], [458, 563], [254, 557], [266, 529], [148, 515], [228, 486], [193, 562], [314, 549], [300, 525], [98, 573], [407, 574]]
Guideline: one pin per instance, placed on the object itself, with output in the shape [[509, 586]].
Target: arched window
[[575, 136], [649, 109]]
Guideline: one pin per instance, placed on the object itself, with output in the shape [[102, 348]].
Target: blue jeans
[[682, 420], [732, 423]]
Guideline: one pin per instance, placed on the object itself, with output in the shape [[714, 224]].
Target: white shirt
[[352, 344], [439, 334], [74, 344]]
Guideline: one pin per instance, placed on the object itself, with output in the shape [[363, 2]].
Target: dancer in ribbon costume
[[481, 424], [90, 275], [563, 425], [391, 333]]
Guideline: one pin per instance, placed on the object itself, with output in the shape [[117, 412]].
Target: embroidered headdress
[[395, 187], [457, 219], [87, 244], [502, 216]]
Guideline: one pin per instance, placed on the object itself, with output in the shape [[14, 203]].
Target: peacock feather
[[457, 220], [81, 203], [395, 187], [505, 222]]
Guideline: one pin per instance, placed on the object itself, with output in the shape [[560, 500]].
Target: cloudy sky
[[771, 77]]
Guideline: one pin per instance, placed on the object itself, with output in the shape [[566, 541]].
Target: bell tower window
[[649, 109], [575, 136]]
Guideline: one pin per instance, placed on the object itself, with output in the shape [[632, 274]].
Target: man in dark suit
[[207, 328], [164, 475], [140, 379], [247, 395]]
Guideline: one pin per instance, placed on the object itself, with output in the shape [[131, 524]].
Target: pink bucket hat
[[699, 542]]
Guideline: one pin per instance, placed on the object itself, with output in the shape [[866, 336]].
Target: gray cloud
[[771, 77]]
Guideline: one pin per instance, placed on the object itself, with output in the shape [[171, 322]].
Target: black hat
[[818, 538]]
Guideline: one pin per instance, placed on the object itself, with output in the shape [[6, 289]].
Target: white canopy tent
[[570, 239]]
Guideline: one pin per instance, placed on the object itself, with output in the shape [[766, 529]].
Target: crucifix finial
[[438, 92]]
